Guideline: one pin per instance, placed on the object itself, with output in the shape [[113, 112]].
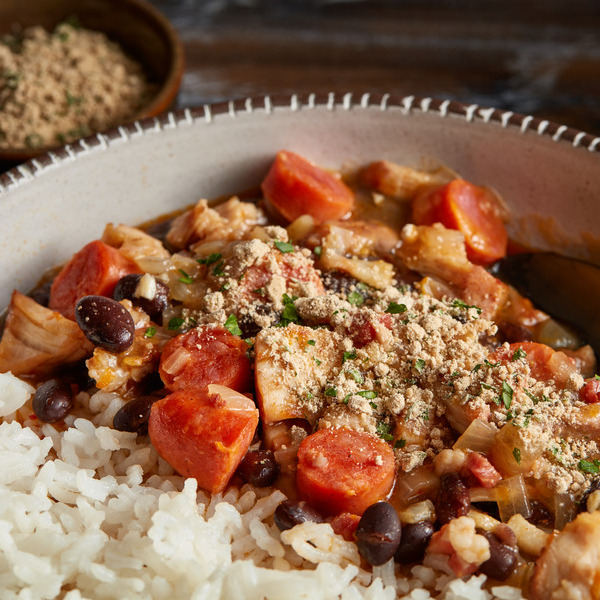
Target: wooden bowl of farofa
[[141, 54]]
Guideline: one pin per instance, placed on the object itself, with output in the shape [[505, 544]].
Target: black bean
[[541, 516], [293, 512], [52, 401], [502, 560], [105, 322], [378, 533], [415, 537], [594, 487], [259, 468], [134, 415], [126, 288], [453, 498]]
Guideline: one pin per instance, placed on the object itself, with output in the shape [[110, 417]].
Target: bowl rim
[[161, 102], [442, 108]]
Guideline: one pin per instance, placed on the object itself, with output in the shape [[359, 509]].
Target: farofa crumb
[[60, 86]]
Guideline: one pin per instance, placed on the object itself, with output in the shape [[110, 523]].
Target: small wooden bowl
[[141, 30]]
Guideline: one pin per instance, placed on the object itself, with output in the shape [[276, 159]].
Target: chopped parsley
[[311, 342], [289, 314], [517, 455], [317, 361], [383, 431], [419, 365], [395, 309], [332, 392], [150, 332], [356, 298], [518, 353], [506, 395], [283, 246], [345, 400], [400, 443], [476, 368], [589, 466], [349, 356], [232, 325], [185, 278], [318, 250], [460, 304], [356, 375], [175, 323], [369, 394]]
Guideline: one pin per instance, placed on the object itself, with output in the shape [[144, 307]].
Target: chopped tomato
[[470, 209], [483, 470], [345, 524], [342, 470], [258, 276], [590, 391], [93, 271], [203, 433], [204, 355], [363, 331], [544, 362], [296, 187]]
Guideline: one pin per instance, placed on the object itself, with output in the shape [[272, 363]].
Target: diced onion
[[512, 498], [530, 539], [481, 494], [416, 485], [420, 511], [174, 363], [478, 436], [557, 336], [565, 509], [301, 228]]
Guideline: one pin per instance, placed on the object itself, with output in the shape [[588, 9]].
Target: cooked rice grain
[[89, 512]]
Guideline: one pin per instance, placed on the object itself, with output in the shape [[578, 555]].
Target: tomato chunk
[[204, 355], [470, 209], [203, 433], [296, 187], [544, 362], [342, 470], [590, 391], [93, 271]]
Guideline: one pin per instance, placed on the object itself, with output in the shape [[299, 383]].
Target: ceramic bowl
[[549, 175], [141, 30]]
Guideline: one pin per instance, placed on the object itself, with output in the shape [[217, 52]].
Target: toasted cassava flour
[[56, 87]]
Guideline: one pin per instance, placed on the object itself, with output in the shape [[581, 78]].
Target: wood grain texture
[[534, 57]]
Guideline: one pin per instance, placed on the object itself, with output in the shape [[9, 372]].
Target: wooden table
[[535, 57]]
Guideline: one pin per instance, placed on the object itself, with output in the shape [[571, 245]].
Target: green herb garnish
[[175, 323], [283, 246], [349, 356], [395, 309], [588, 466], [150, 332], [332, 392], [369, 394], [356, 298], [517, 455], [185, 278], [232, 325]]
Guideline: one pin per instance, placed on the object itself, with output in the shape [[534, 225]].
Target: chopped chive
[[507, 395], [210, 259], [518, 353], [185, 278]]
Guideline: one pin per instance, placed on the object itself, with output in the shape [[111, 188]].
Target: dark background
[[535, 57]]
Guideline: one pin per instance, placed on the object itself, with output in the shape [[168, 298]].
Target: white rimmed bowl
[[548, 174]]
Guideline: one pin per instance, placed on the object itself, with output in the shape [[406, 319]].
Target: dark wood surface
[[535, 57], [538, 57]]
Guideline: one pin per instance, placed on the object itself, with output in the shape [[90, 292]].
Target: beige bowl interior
[[548, 175]]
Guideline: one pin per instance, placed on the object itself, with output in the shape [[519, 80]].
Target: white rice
[[91, 513]]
